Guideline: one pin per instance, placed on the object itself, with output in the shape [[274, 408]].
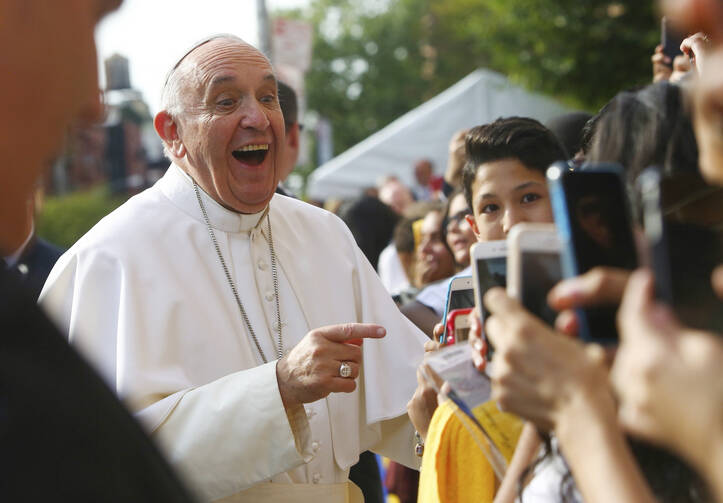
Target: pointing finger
[[351, 333]]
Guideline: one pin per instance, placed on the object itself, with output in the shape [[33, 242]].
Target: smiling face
[[459, 233], [434, 261], [504, 193], [230, 130]]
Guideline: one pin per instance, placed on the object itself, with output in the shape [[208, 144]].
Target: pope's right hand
[[311, 370]]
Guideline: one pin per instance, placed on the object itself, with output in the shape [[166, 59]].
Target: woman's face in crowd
[[434, 262], [459, 233], [504, 193]]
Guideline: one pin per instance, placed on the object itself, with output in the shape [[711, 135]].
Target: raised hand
[[312, 369]]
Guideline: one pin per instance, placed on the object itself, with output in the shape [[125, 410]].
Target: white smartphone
[[533, 267], [460, 294], [489, 269]]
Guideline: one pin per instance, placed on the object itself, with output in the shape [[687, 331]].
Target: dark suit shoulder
[[64, 434]]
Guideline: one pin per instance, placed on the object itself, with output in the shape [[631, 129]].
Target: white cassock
[[144, 297]]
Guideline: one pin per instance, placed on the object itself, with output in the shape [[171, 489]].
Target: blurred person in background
[[435, 261], [568, 129], [434, 264], [457, 231], [34, 259], [371, 222], [423, 175], [393, 272], [65, 436], [290, 151], [452, 179]]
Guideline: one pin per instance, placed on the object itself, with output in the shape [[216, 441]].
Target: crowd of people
[[217, 339]]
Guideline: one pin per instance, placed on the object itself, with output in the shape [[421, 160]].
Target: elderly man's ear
[[167, 129]]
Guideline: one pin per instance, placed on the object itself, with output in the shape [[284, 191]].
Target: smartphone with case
[[682, 254], [533, 267], [458, 323], [489, 269], [460, 295], [593, 223]]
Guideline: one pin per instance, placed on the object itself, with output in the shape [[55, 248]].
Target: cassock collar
[[177, 186]]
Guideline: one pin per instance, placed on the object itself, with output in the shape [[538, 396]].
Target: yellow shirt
[[453, 468]]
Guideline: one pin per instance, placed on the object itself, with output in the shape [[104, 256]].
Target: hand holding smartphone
[[593, 221], [533, 267], [460, 295], [489, 269]]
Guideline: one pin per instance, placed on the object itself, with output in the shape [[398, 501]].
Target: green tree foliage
[[581, 51], [377, 59], [63, 220]]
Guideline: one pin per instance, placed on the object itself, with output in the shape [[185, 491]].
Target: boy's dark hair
[[519, 138]]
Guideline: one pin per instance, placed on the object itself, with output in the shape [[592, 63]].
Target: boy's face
[[505, 193]]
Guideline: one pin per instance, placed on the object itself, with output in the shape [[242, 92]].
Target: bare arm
[[422, 316], [527, 447]]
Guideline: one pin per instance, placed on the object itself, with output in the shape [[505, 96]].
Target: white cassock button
[[262, 265], [315, 446], [269, 295], [316, 478], [23, 268]]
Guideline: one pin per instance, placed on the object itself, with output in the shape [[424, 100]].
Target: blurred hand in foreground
[[697, 48], [669, 378], [424, 402], [600, 286], [708, 118], [539, 374], [662, 65]]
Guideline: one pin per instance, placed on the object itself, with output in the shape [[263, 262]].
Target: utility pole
[[263, 22]]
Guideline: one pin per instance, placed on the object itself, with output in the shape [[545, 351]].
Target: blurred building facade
[[123, 151]]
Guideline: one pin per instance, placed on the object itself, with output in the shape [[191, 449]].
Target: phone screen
[[540, 272], [601, 235], [459, 299], [600, 227], [491, 272]]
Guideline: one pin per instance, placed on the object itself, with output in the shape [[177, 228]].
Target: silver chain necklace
[[274, 274]]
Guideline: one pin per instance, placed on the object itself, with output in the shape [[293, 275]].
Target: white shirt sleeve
[[225, 435]]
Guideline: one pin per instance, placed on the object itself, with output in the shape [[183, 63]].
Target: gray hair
[[173, 86]]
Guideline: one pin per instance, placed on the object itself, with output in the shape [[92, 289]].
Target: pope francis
[[245, 329]]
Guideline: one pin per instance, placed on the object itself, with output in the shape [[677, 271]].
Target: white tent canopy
[[425, 132]]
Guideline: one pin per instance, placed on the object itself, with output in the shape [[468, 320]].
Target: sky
[[154, 34]]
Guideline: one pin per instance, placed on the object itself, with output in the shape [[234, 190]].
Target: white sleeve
[[234, 432], [224, 436]]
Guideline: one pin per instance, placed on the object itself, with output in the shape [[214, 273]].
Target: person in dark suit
[[35, 262], [290, 154], [64, 436], [35, 257]]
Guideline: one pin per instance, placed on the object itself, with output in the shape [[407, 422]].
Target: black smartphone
[[670, 40], [682, 254], [593, 221], [649, 188]]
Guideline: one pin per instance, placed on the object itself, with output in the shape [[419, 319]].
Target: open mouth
[[252, 155]]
